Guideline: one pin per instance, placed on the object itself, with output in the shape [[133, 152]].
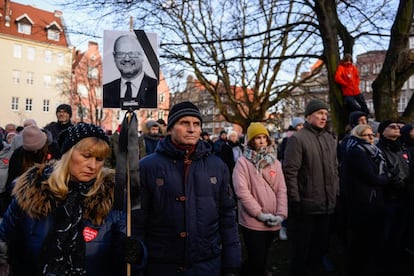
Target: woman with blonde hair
[[261, 195], [367, 175], [61, 220]]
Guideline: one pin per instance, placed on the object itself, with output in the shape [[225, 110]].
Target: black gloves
[[133, 250]]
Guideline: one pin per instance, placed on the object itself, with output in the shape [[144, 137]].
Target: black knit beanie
[[181, 110], [72, 135], [315, 105], [354, 117], [66, 108], [383, 125]]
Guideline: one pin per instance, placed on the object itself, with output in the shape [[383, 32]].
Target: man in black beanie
[[187, 203], [396, 198], [63, 115]]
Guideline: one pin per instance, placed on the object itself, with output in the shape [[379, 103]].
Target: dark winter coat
[[56, 127], [311, 171], [398, 162], [25, 233], [188, 211], [365, 170]]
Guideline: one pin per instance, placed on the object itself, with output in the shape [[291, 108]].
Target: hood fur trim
[[34, 197]]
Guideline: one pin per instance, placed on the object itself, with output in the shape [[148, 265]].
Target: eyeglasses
[[394, 126], [368, 134], [130, 54]]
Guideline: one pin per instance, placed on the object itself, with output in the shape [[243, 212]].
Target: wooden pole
[[128, 207]]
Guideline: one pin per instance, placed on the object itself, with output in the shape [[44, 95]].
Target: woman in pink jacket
[[262, 201]]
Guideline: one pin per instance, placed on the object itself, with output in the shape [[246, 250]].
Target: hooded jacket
[[348, 77], [29, 219], [188, 211]]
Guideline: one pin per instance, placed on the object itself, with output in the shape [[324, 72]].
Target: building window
[[17, 51], [82, 90], [162, 97], [60, 84], [29, 104], [46, 105], [48, 56], [61, 58], [93, 72], [411, 42], [30, 77], [16, 76], [161, 114], [15, 103], [364, 70], [47, 80], [24, 28], [31, 53], [402, 103], [53, 35], [99, 92], [377, 68], [82, 112]]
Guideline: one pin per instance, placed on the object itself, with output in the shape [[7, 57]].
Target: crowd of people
[[202, 201]]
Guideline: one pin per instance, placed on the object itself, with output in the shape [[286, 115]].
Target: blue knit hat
[[297, 121], [72, 135]]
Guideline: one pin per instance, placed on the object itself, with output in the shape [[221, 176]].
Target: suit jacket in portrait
[[146, 97]]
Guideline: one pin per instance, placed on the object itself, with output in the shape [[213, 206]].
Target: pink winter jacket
[[255, 194]]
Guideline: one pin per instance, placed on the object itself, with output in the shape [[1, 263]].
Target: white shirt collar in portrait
[[135, 84]]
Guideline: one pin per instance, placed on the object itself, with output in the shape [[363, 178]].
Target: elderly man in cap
[[189, 223], [311, 174]]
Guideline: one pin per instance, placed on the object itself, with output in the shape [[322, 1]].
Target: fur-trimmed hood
[[33, 195]]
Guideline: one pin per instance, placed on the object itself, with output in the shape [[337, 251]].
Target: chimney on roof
[[57, 13], [7, 13]]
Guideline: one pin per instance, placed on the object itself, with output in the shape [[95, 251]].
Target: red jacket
[[348, 77]]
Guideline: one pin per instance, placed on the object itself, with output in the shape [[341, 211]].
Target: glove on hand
[[133, 250], [278, 220], [265, 217]]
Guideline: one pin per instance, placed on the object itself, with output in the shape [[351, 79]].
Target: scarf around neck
[[261, 158], [64, 248]]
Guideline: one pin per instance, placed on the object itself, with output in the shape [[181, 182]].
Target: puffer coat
[[188, 216], [25, 232]]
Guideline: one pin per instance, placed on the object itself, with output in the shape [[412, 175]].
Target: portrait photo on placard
[[130, 69]]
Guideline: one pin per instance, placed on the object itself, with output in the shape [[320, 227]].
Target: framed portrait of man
[[130, 70]]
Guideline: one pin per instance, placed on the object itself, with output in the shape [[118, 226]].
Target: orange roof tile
[[40, 18]]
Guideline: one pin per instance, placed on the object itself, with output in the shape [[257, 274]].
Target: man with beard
[[149, 140]]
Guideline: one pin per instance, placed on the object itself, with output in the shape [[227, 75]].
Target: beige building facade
[[36, 60]]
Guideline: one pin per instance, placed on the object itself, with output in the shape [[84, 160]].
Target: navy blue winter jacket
[[25, 235], [188, 218]]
